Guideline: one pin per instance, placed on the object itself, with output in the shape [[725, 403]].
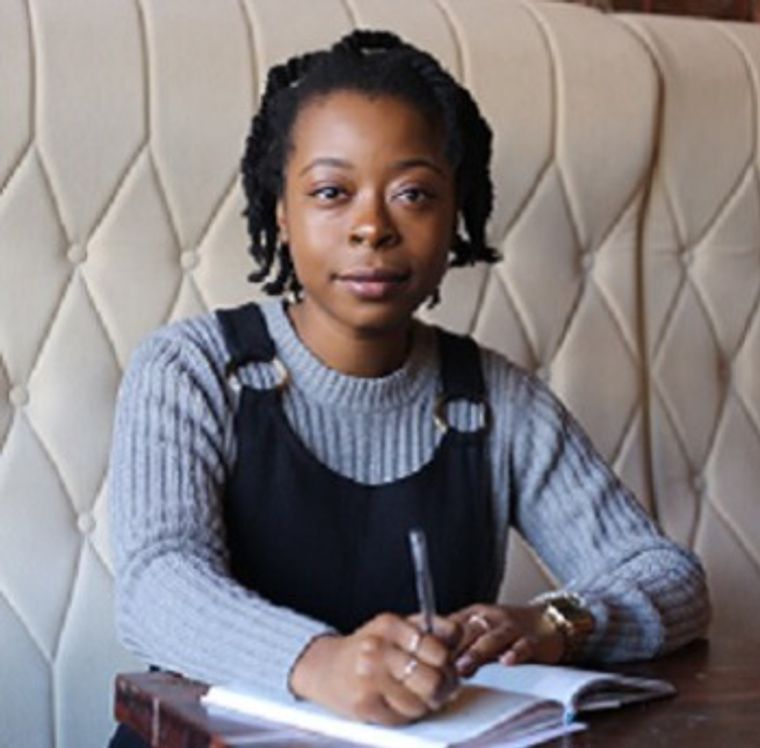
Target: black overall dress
[[305, 537]]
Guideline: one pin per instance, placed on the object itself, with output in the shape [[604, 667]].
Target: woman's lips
[[373, 284]]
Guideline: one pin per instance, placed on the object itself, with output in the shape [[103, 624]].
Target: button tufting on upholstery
[[698, 484], [587, 262], [542, 372], [18, 395], [85, 523], [687, 257], [77, 254], [189, 260]]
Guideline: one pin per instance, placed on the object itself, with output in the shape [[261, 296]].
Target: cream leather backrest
[[627, 213]]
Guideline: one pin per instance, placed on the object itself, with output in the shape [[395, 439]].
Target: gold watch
[[569, 615]]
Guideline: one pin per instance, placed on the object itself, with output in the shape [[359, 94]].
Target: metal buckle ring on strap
[[439, 411], [283, 378]]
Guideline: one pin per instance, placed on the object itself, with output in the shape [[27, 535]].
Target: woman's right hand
[[386, 672]]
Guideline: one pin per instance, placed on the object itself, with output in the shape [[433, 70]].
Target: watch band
[[568, 614]]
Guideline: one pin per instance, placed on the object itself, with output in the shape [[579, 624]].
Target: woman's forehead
[[359, 125]]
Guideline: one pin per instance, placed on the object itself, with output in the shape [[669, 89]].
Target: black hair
[[375, 63]]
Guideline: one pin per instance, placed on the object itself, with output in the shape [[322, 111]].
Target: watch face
[[575, 616]]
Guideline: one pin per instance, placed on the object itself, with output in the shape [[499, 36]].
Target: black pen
[[422, 577]]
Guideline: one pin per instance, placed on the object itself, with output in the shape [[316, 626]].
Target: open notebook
[[517, 706]]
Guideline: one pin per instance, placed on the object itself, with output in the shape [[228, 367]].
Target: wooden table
[[718, 705]]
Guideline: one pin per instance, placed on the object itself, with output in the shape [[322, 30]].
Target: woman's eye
[[328, 193], [415, 195]]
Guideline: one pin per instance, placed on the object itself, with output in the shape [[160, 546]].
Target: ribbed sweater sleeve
[[177, 607], [648, 595]]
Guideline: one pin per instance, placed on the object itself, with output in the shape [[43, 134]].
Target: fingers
[[376, 708], [487, 633], [427, 648], [394, 680], [432, 685], [412, 671], [446, 630], [521, 651]]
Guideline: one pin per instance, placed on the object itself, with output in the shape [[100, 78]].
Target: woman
[[269, 460]]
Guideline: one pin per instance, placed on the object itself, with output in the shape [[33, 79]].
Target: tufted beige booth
[[628, 215]]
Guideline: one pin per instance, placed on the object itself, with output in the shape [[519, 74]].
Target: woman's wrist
[[310, 663]]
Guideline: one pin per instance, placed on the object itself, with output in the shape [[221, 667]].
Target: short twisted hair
[[375, 63]]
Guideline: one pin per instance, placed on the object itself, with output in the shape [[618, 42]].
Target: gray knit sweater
[[174, 446]]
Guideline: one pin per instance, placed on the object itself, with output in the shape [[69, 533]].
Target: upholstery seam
[[67, 610], [103, 490], [174, 306], [753, 79], [35, 129], [456, 36], [142, 30], [550, 158], [227, 193], [674, 425], [486, 280], [16, 613], [132, 163], [98, 314], [755, 308], [251, 35], [32, 103], [649, 43], [198, 290], [629, 345], [232, 182], [45, 450], [573, 221], [738, 537], [69, 493], [580, 292], [557, 94], [351, 12], [503, 283], [46, 173], [65, 284], [163, 197], [161, 189], [724, 204], [626, 434], [749, 415], [689, 282], [641, 324], [15, 168], [133, 159]]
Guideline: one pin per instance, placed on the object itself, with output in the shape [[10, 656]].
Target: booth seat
[[627, 215]]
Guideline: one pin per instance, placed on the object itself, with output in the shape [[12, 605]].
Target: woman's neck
[[352, 352]]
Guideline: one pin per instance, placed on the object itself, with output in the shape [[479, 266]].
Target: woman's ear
[[282, 222]]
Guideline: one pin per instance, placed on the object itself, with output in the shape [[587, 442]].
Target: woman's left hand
[[509, 634]]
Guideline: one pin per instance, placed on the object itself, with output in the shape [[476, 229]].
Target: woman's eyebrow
[[407, 163], [326, 161], [411, 163]]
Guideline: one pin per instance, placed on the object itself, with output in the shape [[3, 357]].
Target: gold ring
[[415, 643], [481, 620], [409, 668]]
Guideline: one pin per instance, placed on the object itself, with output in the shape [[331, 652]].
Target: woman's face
[[368, 209]]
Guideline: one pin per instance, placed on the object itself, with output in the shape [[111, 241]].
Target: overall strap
[[461, 372], [246, 335]]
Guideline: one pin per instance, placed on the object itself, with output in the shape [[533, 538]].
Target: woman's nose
[[373, 227]]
